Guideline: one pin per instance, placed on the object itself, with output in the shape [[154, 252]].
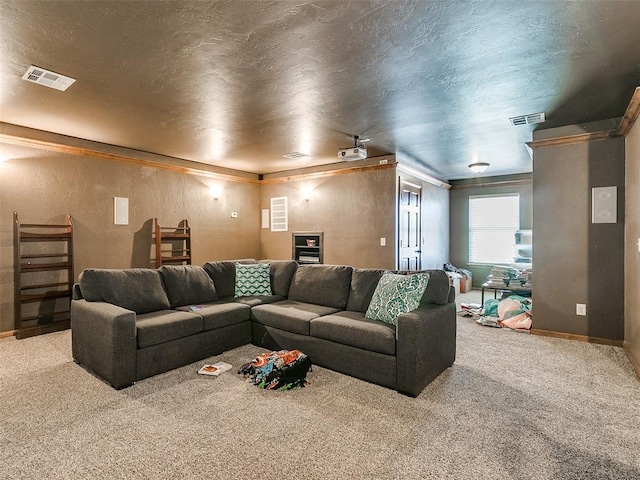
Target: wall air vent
[[528, 119], [48, 78]]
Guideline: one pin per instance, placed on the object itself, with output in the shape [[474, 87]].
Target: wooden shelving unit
[[173, 244], [43, 276], [308, 247]]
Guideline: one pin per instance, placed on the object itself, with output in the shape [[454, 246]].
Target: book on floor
[[214, 369]]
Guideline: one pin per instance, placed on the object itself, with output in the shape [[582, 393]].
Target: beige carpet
[[514, 406]]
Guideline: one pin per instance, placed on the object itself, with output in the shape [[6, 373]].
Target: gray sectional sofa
[[130, 324]]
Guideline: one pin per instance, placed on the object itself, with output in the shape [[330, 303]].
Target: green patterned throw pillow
[[396, 294], [252, 279]]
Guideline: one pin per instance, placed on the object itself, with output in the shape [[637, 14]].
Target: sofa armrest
[[425, 346], [103, 338]]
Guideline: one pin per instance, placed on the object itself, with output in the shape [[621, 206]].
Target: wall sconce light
[[307, 193], [478, 167], [216, 192]]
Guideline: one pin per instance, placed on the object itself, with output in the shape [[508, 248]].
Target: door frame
[[401, 183]]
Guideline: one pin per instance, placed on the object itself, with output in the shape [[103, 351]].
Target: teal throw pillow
[[396, 294], [252, 279]]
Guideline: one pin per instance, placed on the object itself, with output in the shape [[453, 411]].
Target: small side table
[[519, 290]]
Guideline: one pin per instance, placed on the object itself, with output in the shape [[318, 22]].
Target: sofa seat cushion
[[137, 289], [166, 325], [353, 329], [220, 314], [290, 315], [187, 284], [255, 300]]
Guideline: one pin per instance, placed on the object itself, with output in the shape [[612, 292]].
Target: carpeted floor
[[513, 406]]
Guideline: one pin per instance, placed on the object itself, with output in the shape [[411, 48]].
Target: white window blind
[[279, 214], [493, 222]]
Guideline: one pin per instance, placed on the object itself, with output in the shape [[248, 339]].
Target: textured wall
[[577, 261], [460, 194], [353, 210], [632, 236], [42, 186]]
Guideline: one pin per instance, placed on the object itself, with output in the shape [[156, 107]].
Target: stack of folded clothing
[[501, 277]]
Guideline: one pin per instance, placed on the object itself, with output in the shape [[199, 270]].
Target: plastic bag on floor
[[521, 321]]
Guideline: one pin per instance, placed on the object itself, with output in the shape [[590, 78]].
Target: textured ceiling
[[240, 83]]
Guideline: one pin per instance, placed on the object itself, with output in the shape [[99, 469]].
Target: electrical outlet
[[581, 309], [234, 214], [384, 162], [383, 242]]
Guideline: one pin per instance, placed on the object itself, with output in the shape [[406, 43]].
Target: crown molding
[[625, 126]]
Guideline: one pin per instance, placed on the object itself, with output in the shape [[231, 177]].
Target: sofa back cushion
[[137, 289], [187, 285], [223, 274], [363, 283], [438, 289], [326, 285], [281, 275]]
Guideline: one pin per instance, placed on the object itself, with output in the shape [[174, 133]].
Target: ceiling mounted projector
[[357, 152]]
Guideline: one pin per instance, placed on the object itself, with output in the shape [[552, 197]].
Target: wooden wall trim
[[328, 173], [579, 338], [116, 157], [573, 139], [8, 333], [635, 363], [631, 114], [628, 120], [17, 140]]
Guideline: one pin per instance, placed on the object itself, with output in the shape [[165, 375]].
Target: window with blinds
[[493, 222]]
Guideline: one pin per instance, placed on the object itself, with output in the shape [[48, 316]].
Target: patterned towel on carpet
[[284, 370]]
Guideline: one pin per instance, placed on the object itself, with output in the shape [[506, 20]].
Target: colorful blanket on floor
[[513, 312], [283, 370]]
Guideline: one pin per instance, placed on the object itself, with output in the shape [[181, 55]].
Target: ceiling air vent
[[527, 119], [48, 78], [295, 155]]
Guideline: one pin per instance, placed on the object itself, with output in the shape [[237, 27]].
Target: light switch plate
[[120, 211]]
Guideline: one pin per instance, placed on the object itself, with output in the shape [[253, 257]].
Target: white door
[[409, 202]]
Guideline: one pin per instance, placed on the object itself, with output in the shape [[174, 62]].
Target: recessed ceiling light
[[528, 119], [295, 155], [48, 78]]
